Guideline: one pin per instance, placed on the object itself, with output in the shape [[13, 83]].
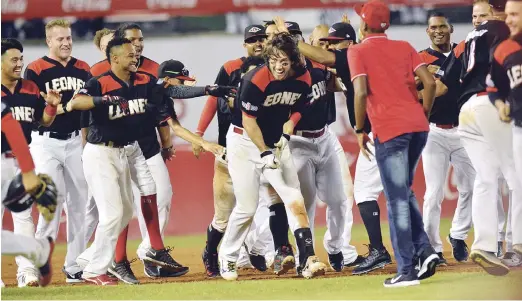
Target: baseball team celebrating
[[78, 138]]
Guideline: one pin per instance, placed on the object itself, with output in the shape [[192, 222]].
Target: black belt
[[308, 134], [115, 144], [59, 136]]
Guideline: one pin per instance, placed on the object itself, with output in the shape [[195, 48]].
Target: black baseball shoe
[[162, 258], [402, 280], [336, 261], [442, 260], [257, 261], [284, 260], [122, 270], [375, 259], [73, 278], [355, 263], [459, 249], [210, 261], [153, 271], [426, 263]]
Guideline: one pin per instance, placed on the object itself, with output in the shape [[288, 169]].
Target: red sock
[[121, 246], [149, 209]]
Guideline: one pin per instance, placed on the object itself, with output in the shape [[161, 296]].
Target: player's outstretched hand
[[345, 19], [221, 91], [52, 98], [113, 100], [269, 160], [196, 150], [363, 141], [282, 145], [214, 148], [280, 24]]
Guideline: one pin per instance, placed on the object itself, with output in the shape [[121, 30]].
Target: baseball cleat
[[284, 260], [518, 249], [355, 263], [122, 270], [459, 249], [489, 262], [163, 258], [101, 280], [336, 261], [376, 259], [313, 268], [153, 271], [228, 269], [512, 259], [442, 261], [46, 271], [256, 260], [402, 280], [28, 279], [210, 261], [72, 278], [427, 263]]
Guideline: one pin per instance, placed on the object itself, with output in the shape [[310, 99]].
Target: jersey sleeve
[[158, 102], [450, 71], [92, 88], [39, 107], [223, 78], [498, 85], [357, 66], [250, 98], [31, 75], [341, 63]]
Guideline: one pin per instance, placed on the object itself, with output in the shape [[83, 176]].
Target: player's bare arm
[[360, 86], [167, 149], [53, 99], [429, 84], [188, 136]]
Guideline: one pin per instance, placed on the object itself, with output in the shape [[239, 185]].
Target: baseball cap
[[499, 5], [293, 27], [252, 31], [341, 31], [375, 14], [174, 69]]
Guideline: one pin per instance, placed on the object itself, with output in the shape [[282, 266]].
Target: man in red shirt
[[383, 73]]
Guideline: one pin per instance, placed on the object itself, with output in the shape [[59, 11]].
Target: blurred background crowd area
[[25, 19]]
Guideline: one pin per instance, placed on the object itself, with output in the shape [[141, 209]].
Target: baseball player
[[37, 252], [484, 135], [224, 200], [268, 95], [367, 182], [57, 149], [102, 38], [28, 108], [400, 129], [507, 59], [444, 147]]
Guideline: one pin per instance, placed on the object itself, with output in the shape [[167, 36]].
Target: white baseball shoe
[[313, 268], [28, 279], [227, 269]]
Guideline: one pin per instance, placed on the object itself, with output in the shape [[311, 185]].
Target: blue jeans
[[397, 160]]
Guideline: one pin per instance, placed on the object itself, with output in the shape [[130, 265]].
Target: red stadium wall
[[192, 205]]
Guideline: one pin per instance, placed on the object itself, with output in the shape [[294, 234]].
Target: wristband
[[97, 100], [266, 153], [359, 131], [287, 137], [50, 110]]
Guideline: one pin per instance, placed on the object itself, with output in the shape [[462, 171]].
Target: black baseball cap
[[341, 31], [293, 27], [253, 31], [174, 69]]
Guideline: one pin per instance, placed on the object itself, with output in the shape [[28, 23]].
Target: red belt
[[9, 155], [482, 93], [238, 130], [311, 134], [445, 126]]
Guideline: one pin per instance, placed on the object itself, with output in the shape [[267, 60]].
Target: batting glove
[[112, 100], [221, 91], [282, 145], [269, 160]]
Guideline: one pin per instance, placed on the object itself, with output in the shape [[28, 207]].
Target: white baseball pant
[[246, 167], [367, 185], [320, 176], [35, 251], [442, 149], [489, 144], [108, 176], [62, 161]]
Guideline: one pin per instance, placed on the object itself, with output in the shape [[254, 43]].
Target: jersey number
[[471, 61]]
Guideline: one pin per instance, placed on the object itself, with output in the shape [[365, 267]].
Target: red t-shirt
[[393, 107]]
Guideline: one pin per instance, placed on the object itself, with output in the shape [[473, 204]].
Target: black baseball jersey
[[343, 72], [109, 123], [506, 76], [49, 74], [271, 101], [5, 110], [26, 105], [445, 109], [319, 114], [476, 59]]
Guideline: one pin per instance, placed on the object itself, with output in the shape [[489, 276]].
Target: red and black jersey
[[506, 76], [13, 139], [49, 74], [445, 109], [145, 65], [318, 116], [26, 105], [476, 59], [109, 123], [271, 101]]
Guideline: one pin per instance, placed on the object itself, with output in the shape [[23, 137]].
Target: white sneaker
[[28, 279], [141, 252], [269, 257], [512, 259], [227, 269], [313, 268]]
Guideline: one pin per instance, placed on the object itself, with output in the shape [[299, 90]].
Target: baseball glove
[[46, 197]]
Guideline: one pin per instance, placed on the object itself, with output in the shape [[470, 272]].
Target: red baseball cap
[[375, 13]]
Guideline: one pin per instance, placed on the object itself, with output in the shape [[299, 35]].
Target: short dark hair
[[120, 31], [286, 43], [11, 43], [116, 42], [438, 14]]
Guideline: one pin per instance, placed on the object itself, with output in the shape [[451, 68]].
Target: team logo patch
[[254, 29], [331, 30], [248, 106], [383, 25], [288, 25]]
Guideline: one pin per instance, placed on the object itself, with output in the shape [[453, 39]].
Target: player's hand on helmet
[[345, 19], [504, 110], [280, 24], [363, 139], [31, 182], [282, 145], [269, 160], [52, 98], [221, 91]]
